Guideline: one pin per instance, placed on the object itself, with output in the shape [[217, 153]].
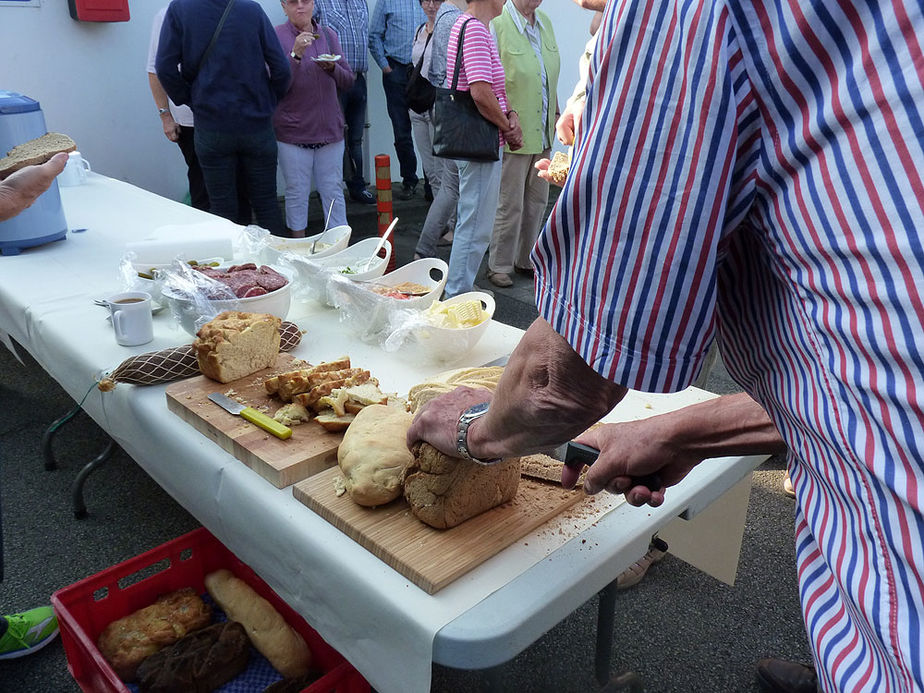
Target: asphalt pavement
[[678, 630]]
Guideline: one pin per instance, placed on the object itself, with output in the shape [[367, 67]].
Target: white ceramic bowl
[[191, 314], [357, 255], [335, 239], [419, 272], [448, 344]]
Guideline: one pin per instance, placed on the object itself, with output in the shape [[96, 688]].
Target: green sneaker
[[28, 632]]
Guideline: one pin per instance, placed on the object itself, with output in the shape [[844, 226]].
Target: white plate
[[326, 58]]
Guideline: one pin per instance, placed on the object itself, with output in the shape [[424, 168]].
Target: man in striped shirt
[[751, 167]]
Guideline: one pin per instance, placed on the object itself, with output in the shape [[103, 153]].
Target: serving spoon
[[378, 247], [326, 226]]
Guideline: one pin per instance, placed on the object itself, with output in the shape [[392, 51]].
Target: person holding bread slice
[[19, 189]]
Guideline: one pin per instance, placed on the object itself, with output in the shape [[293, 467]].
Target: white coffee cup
[[76, 170], [132, 319]]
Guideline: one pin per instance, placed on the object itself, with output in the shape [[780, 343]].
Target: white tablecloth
[[386, 626]]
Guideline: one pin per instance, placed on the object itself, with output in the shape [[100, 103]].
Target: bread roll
[[36, 151], [128, 641], [234, 345], [270, 634], [445, 491], [373, 455], [197, 663]]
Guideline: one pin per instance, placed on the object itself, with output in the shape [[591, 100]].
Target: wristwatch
[[465, 420], [295, 57], [161, 111]]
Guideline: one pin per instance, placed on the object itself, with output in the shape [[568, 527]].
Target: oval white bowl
[[355, 254], [191, 315], [420, 272], [337, 236], [448, 343]]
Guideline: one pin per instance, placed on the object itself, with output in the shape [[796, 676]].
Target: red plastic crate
[[85, 608]]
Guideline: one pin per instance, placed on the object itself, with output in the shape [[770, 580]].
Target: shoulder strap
[[221, 23], [455, 72]]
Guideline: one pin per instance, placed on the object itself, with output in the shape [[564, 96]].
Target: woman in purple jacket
[[308, 120]]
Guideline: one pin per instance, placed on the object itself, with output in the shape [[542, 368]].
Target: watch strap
[[466, 419]]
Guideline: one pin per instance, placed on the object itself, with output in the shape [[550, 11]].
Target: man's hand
[[671, 444], [171, 127], [514, 134], [20, 189], [569, 122], [438, 421]]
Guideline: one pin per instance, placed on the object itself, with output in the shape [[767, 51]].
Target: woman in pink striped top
[[482, 74]]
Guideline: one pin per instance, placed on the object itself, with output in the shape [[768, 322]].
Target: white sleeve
[[155, 38]]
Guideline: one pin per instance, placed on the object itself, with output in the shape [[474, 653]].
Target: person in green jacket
[[529, 53]]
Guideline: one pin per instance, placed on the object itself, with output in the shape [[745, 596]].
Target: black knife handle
[[579, 455]]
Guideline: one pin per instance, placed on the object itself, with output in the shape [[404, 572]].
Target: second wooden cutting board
[[432, 558], [310, 450]]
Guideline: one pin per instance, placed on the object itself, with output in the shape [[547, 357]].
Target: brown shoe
[[501, 279], [525, 271], [633, 575], [782, 676]]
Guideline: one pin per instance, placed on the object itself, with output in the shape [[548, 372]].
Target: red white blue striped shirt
[[755, 166]]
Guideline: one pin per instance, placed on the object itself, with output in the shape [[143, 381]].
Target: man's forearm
[[546, 396]]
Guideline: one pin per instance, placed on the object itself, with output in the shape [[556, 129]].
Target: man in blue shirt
[[391, 37], [350, 19], [233, 90]]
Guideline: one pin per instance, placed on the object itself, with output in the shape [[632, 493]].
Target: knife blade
[[577, 455], [258, 418]]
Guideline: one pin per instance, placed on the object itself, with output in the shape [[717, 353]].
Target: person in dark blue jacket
[[232, 89]]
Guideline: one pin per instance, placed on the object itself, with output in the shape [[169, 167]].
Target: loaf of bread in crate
[[128, 641], [201, 661], [373, 455], [275, 639], [445, 491], [235, 344]]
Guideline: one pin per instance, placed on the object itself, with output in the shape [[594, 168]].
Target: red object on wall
[[99, 10]]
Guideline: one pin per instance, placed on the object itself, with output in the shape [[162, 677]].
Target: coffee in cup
[[132, 319]]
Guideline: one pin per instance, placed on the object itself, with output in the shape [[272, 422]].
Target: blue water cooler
[[21, 120]]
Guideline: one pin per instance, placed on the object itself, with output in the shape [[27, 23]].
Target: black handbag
[[420, 93], [459, 129]]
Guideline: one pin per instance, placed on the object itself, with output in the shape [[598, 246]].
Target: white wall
[[90, 80]]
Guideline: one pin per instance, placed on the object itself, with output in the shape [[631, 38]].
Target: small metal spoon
[[326, 226]]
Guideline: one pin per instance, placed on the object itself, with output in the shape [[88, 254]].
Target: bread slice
[[334, 422], [559, 168], [36, 151], [234, 345]]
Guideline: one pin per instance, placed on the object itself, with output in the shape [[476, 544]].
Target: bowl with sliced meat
[[196, 296]]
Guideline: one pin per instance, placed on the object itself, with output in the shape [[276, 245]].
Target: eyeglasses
[[295, 3], [431, 2]]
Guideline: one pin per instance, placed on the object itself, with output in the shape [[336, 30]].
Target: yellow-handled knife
[[255, 417]]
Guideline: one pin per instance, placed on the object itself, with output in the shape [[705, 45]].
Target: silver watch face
[[476, 410]]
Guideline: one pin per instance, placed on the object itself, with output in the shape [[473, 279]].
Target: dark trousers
[[395, 84], [353, 101], [198, 195], [221, 153]]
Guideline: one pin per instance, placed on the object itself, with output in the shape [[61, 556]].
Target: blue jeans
[[221, 153], [395, 84], [353, 102], [479, 187]]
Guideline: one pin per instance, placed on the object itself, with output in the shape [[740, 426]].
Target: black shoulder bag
[[221, 23], [459, 129], [420, 93]]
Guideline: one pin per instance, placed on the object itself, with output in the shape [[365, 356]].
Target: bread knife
[[258, 418], [577, 455]]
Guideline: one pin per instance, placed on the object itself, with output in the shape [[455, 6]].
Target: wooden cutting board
[[432, 558], [310, 450]]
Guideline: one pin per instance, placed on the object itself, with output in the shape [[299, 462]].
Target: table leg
[[80, 508], [606, 620]]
